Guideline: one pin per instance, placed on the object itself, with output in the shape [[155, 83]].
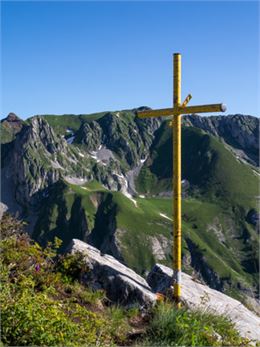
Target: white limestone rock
[[122, 285], [199, 296]]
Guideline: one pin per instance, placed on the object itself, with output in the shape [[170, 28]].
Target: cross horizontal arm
[[182, 110]]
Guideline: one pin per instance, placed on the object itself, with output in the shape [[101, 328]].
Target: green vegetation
[[43, 303], [212, 170], [8, 131], [6, 134], [210, 232], [62, 123], [182, 327], [42, 300], [221, 190]]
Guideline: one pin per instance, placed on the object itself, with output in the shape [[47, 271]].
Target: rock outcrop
[[38, 158], [122, 284], [198, 296], [239, 131], [123, 133]]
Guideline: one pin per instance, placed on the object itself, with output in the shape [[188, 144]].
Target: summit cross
[[178, 109]]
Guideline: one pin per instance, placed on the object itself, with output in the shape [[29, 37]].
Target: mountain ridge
[[71, 174]]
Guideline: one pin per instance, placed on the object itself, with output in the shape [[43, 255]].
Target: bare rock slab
[[122, 285], [199, 296]]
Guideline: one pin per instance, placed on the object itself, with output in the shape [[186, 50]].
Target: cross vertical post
[[176, 132], [176, 111]]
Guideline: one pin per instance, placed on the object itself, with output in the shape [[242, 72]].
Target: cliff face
[[104, 150], [126, 136], [36, 159]]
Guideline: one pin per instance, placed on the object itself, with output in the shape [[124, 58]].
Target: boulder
[[198, 296], [122, 285]]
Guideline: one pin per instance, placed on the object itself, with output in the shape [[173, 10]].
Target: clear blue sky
[[83, 57]]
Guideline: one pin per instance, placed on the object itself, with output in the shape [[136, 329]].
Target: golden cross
[[176, 112]]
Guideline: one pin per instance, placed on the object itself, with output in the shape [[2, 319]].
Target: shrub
[[42, 302], [72, 266], [30, 318]]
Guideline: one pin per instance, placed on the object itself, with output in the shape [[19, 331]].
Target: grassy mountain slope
[[79, 211], [222, 191], [71, 122], [211, 169]]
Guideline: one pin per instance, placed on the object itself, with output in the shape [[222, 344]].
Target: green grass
[[6, 134], [183, 327], [139, 225], [61, 123], [210, 167]]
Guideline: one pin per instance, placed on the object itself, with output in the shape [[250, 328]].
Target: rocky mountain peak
[[10, 126], [122, 133], [12, 117], [38, 158], [41, 134]]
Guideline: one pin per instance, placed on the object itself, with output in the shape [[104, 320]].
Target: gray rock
[[37, 159], [199, 296], [122, 285], [3, 209]]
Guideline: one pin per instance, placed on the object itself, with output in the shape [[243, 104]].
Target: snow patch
[[164, 216], [142, 196], [124, 189], [129, 196], [75, 180], [143, 160], [94, 156], [117, 114], [81, 154]]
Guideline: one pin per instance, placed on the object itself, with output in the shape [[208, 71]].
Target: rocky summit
[[106, 179]]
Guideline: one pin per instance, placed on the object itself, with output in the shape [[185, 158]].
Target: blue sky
[[84, 57]]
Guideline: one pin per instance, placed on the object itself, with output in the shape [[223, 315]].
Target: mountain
[[106, 179], [10, 126]]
